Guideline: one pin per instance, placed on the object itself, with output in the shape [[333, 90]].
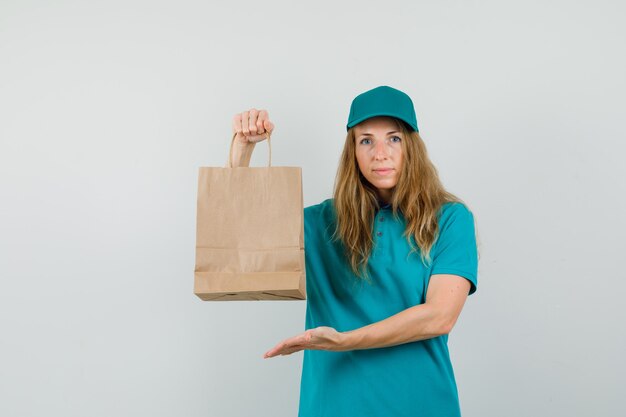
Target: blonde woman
[[390, 261]]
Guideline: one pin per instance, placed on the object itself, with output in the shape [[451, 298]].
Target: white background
[[108, 108]]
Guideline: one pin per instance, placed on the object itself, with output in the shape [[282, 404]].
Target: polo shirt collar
[[383, 205]]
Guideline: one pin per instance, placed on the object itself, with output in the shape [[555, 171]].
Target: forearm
[[242, 154], [419, 322]]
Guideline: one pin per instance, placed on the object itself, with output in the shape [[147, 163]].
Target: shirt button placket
[[379, 233]]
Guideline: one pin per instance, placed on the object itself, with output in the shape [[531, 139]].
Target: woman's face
[[379, 153]]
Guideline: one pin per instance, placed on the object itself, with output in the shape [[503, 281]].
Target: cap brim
[[369, 116]]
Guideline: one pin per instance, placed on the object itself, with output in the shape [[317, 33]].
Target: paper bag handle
[[232, 142]]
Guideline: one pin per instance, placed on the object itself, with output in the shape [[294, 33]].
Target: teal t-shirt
[[409, 380]]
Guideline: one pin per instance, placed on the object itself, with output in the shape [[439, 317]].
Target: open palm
[[319, 338]]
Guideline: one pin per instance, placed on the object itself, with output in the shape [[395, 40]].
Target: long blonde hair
[[418, 195]]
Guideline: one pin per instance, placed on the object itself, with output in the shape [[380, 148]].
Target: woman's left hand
[[319, 338]]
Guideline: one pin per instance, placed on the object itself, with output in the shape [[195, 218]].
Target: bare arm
[[445, 298], [242, 154]]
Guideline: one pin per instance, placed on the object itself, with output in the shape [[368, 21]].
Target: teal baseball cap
[[382, 101]]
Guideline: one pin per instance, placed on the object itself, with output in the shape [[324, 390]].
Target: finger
[[237, 123], [272, 352], [286, 344], [296, 340], [291, 350], [253, 114], [238, 130], [269, 126], [261, 122], [244, 123], [284, 351]]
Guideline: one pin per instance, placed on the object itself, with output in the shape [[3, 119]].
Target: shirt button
[[382, 218], [379, 234]]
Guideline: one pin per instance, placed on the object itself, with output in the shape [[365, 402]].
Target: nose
[[381, 150]]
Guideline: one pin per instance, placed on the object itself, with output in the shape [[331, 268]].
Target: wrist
[[349, 340], [241, 154], [244, 145]]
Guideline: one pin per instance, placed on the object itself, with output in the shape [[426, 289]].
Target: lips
[[383, 171]]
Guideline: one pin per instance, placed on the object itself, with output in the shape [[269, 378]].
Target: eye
[[399, 139], [363, 141]]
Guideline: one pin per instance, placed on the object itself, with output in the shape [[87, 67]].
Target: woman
[[390, 261]]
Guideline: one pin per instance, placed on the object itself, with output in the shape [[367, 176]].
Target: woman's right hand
[[251, 126]]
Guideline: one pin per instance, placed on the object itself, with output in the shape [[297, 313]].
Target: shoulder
[[454, 212], [451, 208], [319, 217], [324, 209]]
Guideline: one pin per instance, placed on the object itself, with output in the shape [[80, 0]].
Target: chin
[[386, 185]]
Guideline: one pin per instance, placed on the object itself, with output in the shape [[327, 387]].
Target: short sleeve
[[455, 251]]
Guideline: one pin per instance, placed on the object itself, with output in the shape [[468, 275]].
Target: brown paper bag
[[250, 233]]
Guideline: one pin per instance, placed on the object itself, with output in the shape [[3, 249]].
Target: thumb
[[269, 126]]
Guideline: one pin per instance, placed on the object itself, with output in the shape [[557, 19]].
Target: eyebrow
[[370, 134]]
